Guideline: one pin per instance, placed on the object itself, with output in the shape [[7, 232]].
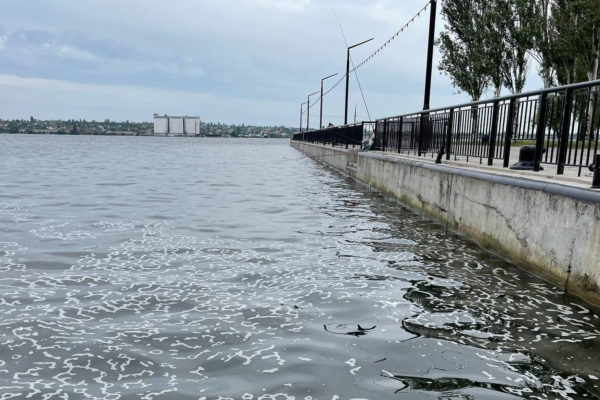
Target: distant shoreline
[[154, 136]]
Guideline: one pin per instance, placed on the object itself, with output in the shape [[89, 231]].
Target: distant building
[[176, 126]]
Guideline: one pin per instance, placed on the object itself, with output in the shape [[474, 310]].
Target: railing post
[[412, 136], [346, 137], [596, 170], [334, 138], [541, 130], [494, 133], [509, 131], [564, 138], [385, 134], [449, 134], [361, 136], [401, 128], [374, 137], [421, 126]]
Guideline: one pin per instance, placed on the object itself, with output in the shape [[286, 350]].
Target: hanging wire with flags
[[394, 37]]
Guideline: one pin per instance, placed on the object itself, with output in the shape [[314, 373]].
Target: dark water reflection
[[145, 268]]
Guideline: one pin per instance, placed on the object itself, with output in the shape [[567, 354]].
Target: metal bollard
[[441, 154], [595, 168]]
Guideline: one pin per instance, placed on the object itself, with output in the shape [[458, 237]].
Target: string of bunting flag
[[394, 37]]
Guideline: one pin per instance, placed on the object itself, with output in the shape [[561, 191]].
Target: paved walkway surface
[[570, 178]]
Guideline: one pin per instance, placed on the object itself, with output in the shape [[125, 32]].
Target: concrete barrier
[[337, 158], [549, 229]]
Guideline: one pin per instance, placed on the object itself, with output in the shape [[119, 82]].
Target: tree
[[576, 31], [493, 26], [563, 32], [542, 33], [463, 51], [586, 41], [519, 17]]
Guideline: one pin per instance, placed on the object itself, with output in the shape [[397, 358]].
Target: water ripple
[[264, 277]]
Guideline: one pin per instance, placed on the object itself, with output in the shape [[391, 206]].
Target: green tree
[[463, 51], [576, 31], [541, 37], [491, 29], [563, 34], [520, 18]]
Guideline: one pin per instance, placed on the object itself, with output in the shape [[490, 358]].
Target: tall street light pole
[[426, 106], [322, 80], [348, 77], [308, 111], [301, 112]]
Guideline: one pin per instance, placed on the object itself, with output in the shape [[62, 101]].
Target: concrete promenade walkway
[[570, 178]]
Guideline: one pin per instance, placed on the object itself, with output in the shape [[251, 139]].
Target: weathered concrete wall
[[334, 157], [549, 229]]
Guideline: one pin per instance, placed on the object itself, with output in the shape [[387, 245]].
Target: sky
[[229, 61]]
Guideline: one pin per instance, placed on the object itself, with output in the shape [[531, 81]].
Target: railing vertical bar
[[460, 135], [420, 142], [412, 137], [532, 115], [541, 129], [549, 127], [401, 123], [494, 133], [594, 116], [597, 139], [575, 121], [587, 116], [485, 144], [557, 130], [499, 131], [509, 132], [385, 136], [519, 120], [449, 134], [566, 122]]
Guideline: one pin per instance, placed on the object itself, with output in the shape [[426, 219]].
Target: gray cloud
[[238, 53]]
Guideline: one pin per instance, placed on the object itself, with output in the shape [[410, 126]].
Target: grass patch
[[521, 143]]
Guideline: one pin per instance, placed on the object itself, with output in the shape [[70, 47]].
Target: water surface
[[190, 269]]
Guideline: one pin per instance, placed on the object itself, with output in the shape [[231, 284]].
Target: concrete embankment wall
[[549, 229]]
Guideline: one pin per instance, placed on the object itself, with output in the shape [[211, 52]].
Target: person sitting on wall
[[366, 145]]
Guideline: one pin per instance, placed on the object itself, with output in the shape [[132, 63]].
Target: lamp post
[[308, 111], [348, 77], [323, 80], [301, 112], [430, 54]]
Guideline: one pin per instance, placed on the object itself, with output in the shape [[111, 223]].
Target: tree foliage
[[518, 18], [463, 51], [493, 42]]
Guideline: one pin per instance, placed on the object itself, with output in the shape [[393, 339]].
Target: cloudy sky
[[234, 61]]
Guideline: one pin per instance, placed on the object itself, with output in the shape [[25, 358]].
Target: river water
[[190, 269]]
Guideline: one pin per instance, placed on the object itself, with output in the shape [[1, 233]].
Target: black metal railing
[[346, 136], [562, 123]]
